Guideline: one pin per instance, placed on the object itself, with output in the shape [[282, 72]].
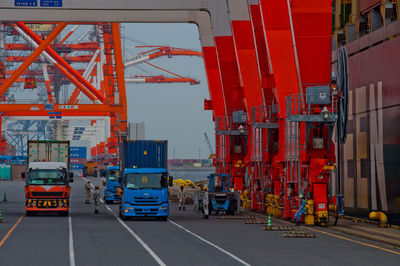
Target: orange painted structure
[[271, 97], [270, 135], [107, 99]]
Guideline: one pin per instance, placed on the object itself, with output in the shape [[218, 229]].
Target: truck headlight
[[129, 208], [163, 208]]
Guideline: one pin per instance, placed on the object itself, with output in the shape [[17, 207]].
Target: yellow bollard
[[322, 218], [383, 220], [275, 206], [246, 199], [270, 209], [309, 218]]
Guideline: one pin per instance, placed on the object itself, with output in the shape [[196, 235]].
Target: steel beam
[[8, 82], [62, 62]]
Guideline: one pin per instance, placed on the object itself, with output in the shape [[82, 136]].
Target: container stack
[[77, 157]]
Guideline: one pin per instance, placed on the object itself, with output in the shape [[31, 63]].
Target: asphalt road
[[85, 238]]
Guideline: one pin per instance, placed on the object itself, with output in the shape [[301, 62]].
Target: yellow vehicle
[[90, 169]]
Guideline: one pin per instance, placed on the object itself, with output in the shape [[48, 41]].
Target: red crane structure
[[268, 65]]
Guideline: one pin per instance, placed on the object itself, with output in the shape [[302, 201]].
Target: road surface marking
[[141, 242], [211, 244], [355, 241], [144, 245], [351, 240], [71, 243], [10, 231]]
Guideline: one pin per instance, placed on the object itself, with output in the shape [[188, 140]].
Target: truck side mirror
[[71, 177], [170, 181], [23, 175]]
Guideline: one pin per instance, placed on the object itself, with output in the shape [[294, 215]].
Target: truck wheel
[[164, 218], [232, 207], [109, 201], [64, 213], [28, 213]]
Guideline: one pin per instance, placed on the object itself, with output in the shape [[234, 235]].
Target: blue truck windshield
[[113, 175], [141, 181], [47, 177]]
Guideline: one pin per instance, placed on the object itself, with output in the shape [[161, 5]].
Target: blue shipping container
[[77, 166], [143, 154], [77, 152]]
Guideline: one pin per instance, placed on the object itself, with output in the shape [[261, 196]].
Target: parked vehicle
[[89, 169], [144, 180], [47, 177], [111, 184]]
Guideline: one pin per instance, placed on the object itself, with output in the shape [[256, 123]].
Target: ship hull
[[370, 159]]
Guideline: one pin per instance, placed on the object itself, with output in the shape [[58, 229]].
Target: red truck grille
[[47, 194]]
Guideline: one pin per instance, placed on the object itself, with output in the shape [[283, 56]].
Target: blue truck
[[144, 179], [111, 183]]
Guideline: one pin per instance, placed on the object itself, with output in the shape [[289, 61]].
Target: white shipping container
[[51, 151]]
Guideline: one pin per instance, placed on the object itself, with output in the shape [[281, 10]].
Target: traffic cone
[[5, 197], [269, 224]]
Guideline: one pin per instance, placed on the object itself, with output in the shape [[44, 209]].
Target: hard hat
[[88, 181], [96, 187], [301, 196]]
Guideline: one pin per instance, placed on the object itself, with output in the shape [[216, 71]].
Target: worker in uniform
[[181, 197], [87, 192], [96, 198], [302, 210], [205, 205]]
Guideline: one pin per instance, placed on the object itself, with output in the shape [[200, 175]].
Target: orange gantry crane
[[98, 80]]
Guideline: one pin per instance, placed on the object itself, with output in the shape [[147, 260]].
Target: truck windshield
[[113, 175], [140, 181], [47, 177]]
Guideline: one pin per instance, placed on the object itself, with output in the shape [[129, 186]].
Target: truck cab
[[47, 187], [111, 183], [145, 193]]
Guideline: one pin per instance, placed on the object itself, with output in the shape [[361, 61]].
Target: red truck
[[47, 177]]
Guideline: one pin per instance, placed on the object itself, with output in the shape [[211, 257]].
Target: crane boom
[[208, 143]]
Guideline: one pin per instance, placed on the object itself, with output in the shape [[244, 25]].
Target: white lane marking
[[71, 243], [144, 245], [141, 242], [211, 244]]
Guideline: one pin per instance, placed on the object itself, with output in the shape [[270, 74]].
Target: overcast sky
[[172, 111]]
